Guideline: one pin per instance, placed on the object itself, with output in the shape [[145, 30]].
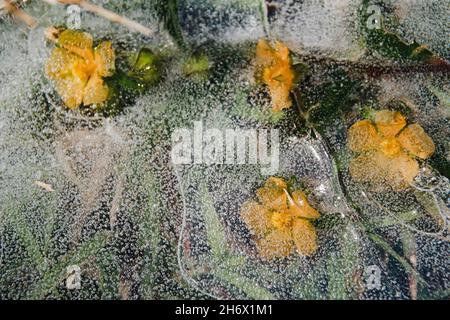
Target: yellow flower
[[277, 73], [280, 221], [78, 70], [387, 150]]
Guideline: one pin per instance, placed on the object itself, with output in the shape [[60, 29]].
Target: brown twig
[[51, 34], [43, 185], [376, 70], [114, 17], [11, 8], [409, 249]]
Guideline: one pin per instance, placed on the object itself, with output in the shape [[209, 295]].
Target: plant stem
[[264, 18], [409, 249], [405, 263], [375, 71], [111, 16], [11, 8]]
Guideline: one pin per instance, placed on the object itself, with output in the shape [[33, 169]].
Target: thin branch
[[43, 185], [11, 8], [404, 262], [410, 252], [378, 69], [111, 16], [51, 33]]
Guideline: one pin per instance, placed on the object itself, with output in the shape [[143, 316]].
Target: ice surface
[[102, 193]]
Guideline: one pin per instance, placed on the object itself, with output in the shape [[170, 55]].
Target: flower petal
[[272, 195], [304, 236], [281, 219], [71, 89], [273, 199], [369, 167], [416, 141], [276, 244], [265, 54], [301, 208], [282, 51], [280, 97], [390, 146], [256, 217], [61, 63], [362, 136], [402, 172], [96, 91], [279, 79], [374, 167], [104, 59], [277, 73], [389, 122], [77, 42]]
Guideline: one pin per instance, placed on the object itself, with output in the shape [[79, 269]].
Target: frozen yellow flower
[[277, 72], [280, 221], [78, 69], [388, 149]]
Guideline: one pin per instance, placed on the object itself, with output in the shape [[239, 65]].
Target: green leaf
[[167, 14], [388, 221], [147, 67], [437, 295], [215, 234], [148, 220], [197, 66], [17, 219], [56, 274], [329, 221], [444, 97], [406, 265], [301, 70], [387, 43], [441, 163], [126, 82], [309, 288], [341, 267], [326, 101], [109, 274], [250, 287], [264, 115], [428, 202], [149, 235]]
